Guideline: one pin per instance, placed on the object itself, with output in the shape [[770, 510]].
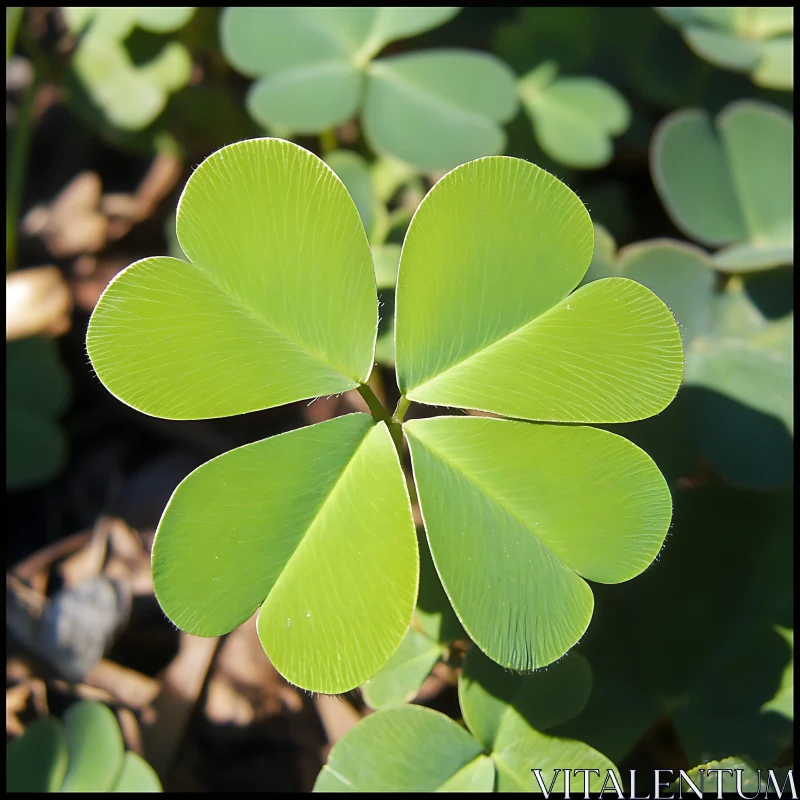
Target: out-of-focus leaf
[[304, 508], [95, 747], [355, 175], [574, 118], [720, 777], [117, 23], [37, 392], [783, 702], [130, 96], [733, 187], [136, 776], [439, 109], [756, 40], [37, 760], [740, 415]]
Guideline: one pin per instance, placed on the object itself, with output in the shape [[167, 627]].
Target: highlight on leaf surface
[[277, 303], [494, 326], [291, 524], [316, 69], [730, 186]]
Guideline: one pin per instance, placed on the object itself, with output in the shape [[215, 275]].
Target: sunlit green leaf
[[407, 749], [318, 522], [510, 545], [494, 326], [277, 305], [783, 702]]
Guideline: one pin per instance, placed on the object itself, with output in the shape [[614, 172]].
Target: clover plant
[[416, 749], [730, 187], [573, 118], [732, 350], [758, 40], [278, 304], [316, 69], [84, 753], [129, 95]]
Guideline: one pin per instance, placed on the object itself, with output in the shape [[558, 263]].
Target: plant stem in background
[[328, 142], [13, 18], [380, 414]]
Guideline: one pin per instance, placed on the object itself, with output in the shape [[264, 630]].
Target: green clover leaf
[[730, 187], [316, 69], [758, 40], [416, 749], [84, 753], [129, 95], [278, 303]]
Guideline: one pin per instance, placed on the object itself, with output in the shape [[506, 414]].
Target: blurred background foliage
[[673, 125]]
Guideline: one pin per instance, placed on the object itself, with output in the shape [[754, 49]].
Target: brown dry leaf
[[125, 210], [38, 302], [16, 702], [131, 732], [226, 706], [127, 686], [181, 684], [337, 716], [88, 561], [91, 276], [72, 223]]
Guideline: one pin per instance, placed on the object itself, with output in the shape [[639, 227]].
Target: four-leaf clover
[[314, 526]]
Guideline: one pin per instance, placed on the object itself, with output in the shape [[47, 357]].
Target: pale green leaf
[[783, 702], [776, 70], [691, 174], [543, 698], [37, 760], [318, 522], [575, 118], [439, 109], [137, 776], [484, 315], [723, 48], [95, 748], [277, 305], [390, 23], [510, 543], [519, 749], [355, 175], [731, 187], [759, 144], [400, 679], [723, 772], [406, 749], [308, 98]]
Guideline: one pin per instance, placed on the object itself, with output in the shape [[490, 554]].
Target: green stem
[[20, 146], [376, 408], [402, 407], [328, 142], [380, 414]]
